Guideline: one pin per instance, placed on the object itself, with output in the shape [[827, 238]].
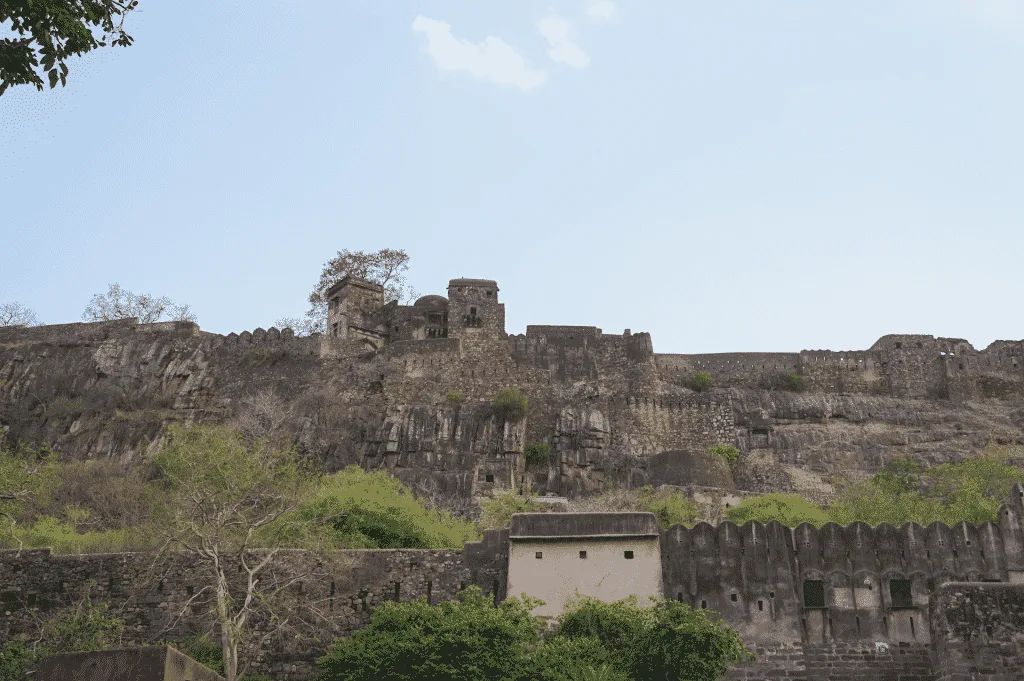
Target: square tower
[[353, 311], [473, 308]]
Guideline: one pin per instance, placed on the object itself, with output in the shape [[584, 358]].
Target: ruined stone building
[[408, 389]]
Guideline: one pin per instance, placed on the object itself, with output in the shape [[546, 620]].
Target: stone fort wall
[[832, 603]]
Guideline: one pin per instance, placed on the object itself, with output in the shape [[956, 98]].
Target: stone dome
[[431, 301]]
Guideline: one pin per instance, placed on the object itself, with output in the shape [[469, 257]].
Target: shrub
[[497, 512], [700, 381], [667, 641], [453, 397], [789, 509], [464, 640], [727, 453], [794, 382], [509, 404], [205, 651], [376, 510], [671, 507], [537, 455]]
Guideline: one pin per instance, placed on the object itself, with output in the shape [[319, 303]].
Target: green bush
[[672, 507], [453, 397], [537, 454], [667, 641], [376, 510], [464, 640], [794, 382], [700, 381], [727, 453], [204, 650], [509, 405], [496, 513], [789, 509]]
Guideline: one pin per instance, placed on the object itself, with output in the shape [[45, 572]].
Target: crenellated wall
[[831, 603]]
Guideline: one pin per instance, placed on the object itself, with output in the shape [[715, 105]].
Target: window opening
[[899, 591], [629, 555], [814, 593], [538, 555], [583, 555]]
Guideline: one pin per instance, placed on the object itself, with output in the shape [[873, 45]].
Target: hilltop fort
[[409, 388]]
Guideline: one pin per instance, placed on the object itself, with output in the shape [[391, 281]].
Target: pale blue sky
[[729, 176]]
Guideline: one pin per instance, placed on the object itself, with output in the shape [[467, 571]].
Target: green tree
[[225, 502], [666, 641], [26, 474], [464, 640], [43, 34]]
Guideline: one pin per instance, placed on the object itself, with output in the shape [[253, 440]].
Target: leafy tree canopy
[[43, 34], [464, 640]]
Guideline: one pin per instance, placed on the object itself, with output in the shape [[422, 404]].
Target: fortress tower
[[473, 308], [352, 306]]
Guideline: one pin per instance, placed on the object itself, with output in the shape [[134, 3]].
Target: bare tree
[[119, 303], [16, 314], [225, 503], [386, 267]]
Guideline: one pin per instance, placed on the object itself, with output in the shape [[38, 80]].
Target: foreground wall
[[167, 603]]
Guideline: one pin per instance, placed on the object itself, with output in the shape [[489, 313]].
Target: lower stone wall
[[978, 632], [837, 662]]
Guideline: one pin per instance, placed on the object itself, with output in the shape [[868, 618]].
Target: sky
[[728, 176]]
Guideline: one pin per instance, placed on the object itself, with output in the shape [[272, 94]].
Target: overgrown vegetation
[[472, 640], [794, 382], [80, 628], [537, 454], [453, 397], [727, 453], [497, 512], [672, 507], [700, 381], [509, 405], [971, 490], [375, 510]]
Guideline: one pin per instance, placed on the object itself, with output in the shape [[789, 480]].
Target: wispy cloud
[[558, 32], [601, 10], [493, 59]]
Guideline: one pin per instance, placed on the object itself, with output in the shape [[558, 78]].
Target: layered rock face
[[610, 409]]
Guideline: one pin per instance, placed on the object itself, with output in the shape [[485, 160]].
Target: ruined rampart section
[[978, 632]]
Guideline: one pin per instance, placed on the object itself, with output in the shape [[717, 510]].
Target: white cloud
[[562, 49], [493, 59], [602, 10]]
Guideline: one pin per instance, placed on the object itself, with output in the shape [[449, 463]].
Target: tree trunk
[[228, 637]]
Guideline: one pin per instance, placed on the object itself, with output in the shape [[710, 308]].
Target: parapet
[[582, 525]]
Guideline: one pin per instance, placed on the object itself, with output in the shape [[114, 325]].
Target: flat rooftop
[[582, 525]]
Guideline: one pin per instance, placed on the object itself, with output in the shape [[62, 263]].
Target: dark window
[[489, 477], [899, 590], [629, 555], [490, 293], [703, 605], [814, 593], [732, 598], [899, 346], [539, 555], [472, 311], [583, 554], [760, 605]]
